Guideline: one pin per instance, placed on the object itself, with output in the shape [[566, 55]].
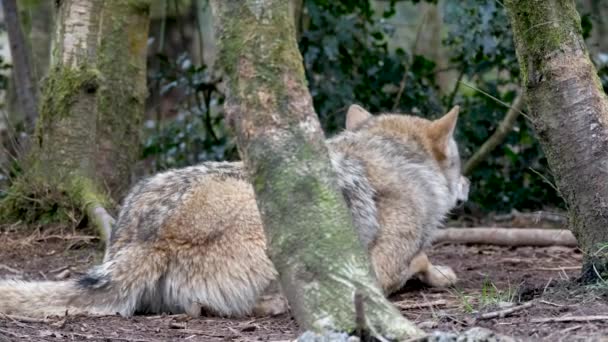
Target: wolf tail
[[116, 286]]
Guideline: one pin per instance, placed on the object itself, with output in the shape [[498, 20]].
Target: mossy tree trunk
[[121, 60], [91, 108], [311, 238], [569, 111]]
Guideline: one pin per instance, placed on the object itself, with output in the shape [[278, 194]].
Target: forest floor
[[538, 283]]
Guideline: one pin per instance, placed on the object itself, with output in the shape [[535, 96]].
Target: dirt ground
[[537, 282]]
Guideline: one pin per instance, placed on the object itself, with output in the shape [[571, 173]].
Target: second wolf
[[191, 240]]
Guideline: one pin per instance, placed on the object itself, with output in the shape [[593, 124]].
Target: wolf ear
[[356, 115], [441, 132]]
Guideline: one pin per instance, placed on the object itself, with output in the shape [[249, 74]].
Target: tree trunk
[[312, 243], [22, 77], [569, 111], [121, 59], [92, 103], [37, 19]]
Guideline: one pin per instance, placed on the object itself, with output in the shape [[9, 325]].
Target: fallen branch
[[570, 319], [504, 312], [507, 236], [503, 129]]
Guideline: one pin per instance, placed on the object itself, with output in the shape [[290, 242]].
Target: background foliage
[[353, 53], [348, 60]]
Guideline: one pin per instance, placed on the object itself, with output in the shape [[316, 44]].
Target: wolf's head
[[436, 138]]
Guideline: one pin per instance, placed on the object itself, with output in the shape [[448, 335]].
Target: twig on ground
[[10, 269], [504, 312], [551, 303], [404, 306], [570, 319], [106, 338], [15, 335], [25, 319], [561, 268], [67, 237], [567, 330], [59, 269]]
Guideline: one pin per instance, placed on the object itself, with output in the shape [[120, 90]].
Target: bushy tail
[[116, 286], [39, 299]]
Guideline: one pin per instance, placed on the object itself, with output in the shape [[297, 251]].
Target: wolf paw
[[439, 276]]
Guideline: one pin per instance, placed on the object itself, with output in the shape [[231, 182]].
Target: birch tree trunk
[[569, 111], [311, 239], [91, 108]]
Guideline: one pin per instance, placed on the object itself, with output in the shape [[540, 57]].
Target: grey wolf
[[191, 240]]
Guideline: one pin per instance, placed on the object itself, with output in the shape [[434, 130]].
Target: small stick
[[576, 327], [25, 319], [10, 269], [59, 269], [566, 268], [551, 303], [67, 237], [403, 306], [175, 325], [200, 332], [15, 335], [504, 312], [570, 319]]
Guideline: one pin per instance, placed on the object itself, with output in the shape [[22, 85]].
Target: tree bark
[[23, 79], [121, 59], [311, 239], [569, 111], [37, 20], [91, 108]]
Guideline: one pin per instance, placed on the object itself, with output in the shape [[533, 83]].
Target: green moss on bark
[[540, 28], [63, 86], [122, 95]]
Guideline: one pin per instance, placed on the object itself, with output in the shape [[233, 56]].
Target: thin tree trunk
[[37, 20], [322, 266], [569, 111], [23, 79]]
